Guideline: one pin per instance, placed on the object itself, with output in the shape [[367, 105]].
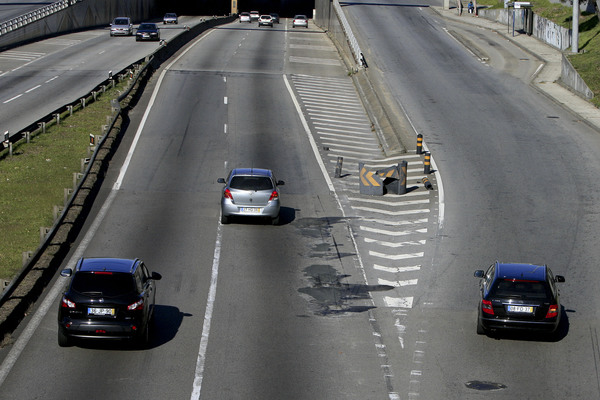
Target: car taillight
[[227, 194], [552, 311], [138, 305], [274, 195], [66, 303], [486, 306]]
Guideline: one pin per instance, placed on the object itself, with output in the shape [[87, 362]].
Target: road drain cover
[[482, 385]]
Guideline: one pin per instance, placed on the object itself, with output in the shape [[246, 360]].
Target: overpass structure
[[70, 15]]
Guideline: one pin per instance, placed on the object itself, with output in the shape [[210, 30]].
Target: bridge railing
[[352, 42], [35, 15]]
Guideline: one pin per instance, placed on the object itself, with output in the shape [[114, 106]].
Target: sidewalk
[[545, 80]]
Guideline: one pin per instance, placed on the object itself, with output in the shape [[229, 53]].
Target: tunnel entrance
[[285, 8]]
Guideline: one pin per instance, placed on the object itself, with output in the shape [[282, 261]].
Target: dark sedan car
[[107, 298], [147, 31], [518, 296]]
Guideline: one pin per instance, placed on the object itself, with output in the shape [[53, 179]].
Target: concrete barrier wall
[[572, 79], [81, 15]]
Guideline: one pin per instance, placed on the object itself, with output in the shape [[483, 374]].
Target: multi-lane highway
[[352, 296]]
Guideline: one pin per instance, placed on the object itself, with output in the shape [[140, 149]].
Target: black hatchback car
[[518, 296], [107, 298]]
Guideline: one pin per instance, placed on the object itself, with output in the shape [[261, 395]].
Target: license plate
[[101, 311], [251, 210], [520, 309]]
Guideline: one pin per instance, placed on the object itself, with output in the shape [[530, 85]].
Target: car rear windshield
[[147, 26], [121, 22], [251, 183], [109, 284], [521, 289]]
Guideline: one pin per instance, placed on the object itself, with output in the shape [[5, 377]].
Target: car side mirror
[[221, 180], [280, 183], [559, 278], [156, 276], [67, 272], [479, 273]]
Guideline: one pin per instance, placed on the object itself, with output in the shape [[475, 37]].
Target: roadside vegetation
[[587, 61], [33, 180]]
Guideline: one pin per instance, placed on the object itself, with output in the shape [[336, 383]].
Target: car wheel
[[224, 219], [480, 328], [143, 340], [275, 221], [63, 340]]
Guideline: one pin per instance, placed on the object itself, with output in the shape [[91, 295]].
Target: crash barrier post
[[338, 167], [419, 144], [428, 185], [387, 180], [427, 164]]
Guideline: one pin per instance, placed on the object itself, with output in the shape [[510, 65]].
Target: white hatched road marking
[[388, 203], [394, 245], [392, 233], [20, 55], [344, 130], [313, 60], [398, 302], [409, 282], [395, 270], [392, 213]]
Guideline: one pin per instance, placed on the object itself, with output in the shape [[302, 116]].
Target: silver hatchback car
[[250, 192]]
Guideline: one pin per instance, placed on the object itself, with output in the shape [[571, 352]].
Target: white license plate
[[520, 309], [251, 210], [101, 311]]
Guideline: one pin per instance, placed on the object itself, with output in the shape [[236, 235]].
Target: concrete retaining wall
[[570, 77], [81, 15], [543, 29]]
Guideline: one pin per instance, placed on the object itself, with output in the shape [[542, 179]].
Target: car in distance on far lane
[[275, 17], [265, 20], [254, 15], [170, 18], [300, 20], [250, 192], [518, 297], [121, 26], [245, 17], [147, 31], [107, 298]]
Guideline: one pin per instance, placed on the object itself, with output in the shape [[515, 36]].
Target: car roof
[[252, 171], [521, 271], [107, 264]]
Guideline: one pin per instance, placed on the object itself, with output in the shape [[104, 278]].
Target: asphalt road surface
[[519, 177], [293, 311]]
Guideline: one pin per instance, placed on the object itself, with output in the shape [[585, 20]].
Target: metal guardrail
[[354, 47], [43, 12]]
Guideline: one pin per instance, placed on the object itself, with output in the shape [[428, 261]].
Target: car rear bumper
[[507, 324], [229, 209], [101, 329]]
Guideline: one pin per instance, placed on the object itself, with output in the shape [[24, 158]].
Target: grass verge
[[34, 178]]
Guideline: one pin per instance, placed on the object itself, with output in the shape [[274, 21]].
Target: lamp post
[[575, 30]]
